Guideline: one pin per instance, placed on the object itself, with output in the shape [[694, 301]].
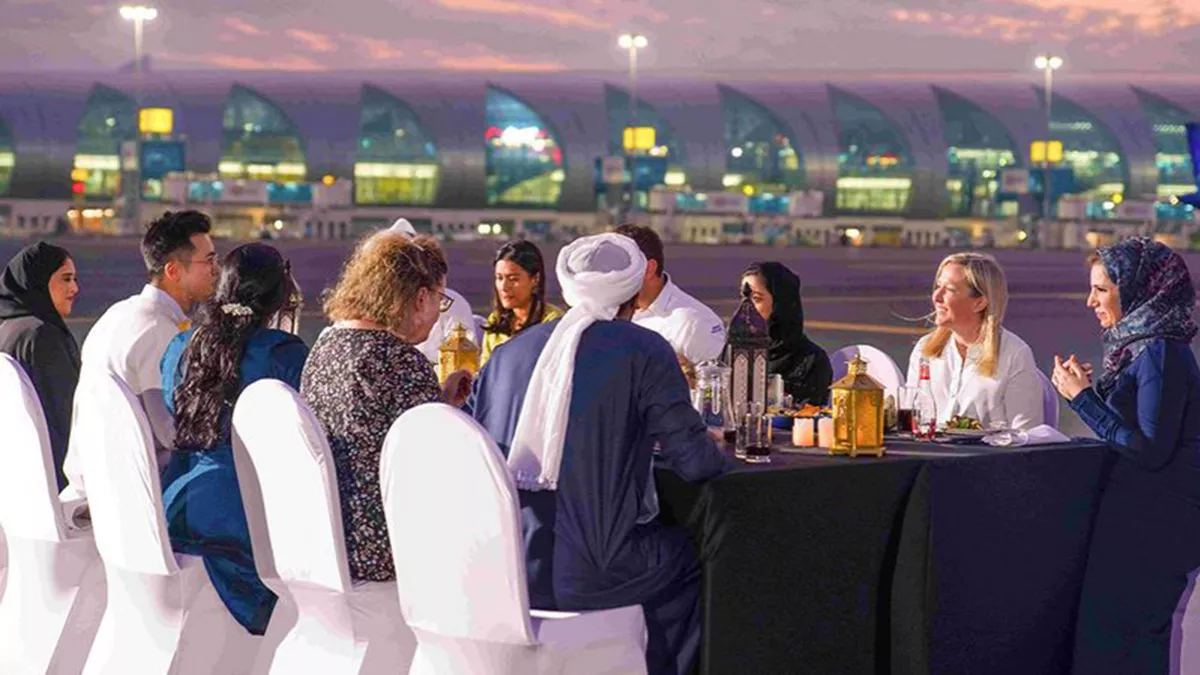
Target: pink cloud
[[235, 62], [243, 27], [561, 17], [317, 42], [499, 63], [377, 49]]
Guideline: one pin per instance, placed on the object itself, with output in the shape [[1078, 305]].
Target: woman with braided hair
[[234, 343]]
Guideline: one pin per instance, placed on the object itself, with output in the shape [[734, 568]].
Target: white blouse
[[1012, 395]]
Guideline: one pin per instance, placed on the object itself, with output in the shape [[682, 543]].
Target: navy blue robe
[[584, 546], [1144, 543]]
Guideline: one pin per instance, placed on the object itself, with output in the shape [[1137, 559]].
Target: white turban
[[597, 274], [402, 226]]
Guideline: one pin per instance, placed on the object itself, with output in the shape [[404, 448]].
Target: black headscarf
[[804, 366], [25, 286]]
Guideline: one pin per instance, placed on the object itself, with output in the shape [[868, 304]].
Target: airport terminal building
[[326, 154]]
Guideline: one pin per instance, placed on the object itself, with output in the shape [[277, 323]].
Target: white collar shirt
[[689, 325], [1013, 395]]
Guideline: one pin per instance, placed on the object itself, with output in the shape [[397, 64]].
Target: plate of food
[[962, 425], [783, 419]]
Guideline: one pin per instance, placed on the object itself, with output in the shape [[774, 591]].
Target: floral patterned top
[[357, 383]]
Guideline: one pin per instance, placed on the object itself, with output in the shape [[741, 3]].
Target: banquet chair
[[455, 526], [163, 614], [879, 366], [323, 623], [53, 595], [1049, 401]]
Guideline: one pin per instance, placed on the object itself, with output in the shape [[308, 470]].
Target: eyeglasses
[[210, 260], [444, 303]]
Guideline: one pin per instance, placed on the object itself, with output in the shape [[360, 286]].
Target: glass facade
[[666, 146], [978, 148], [108, 120], [7, 157], [1091, 153], [523, 155], [397, 162], [259, 141], [761, 154], [875, 165], [1171, 154]]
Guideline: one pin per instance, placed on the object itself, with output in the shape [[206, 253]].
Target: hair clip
[[236, 309]]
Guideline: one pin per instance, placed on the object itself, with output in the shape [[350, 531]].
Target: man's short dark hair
[[648, 241], [169, 236]]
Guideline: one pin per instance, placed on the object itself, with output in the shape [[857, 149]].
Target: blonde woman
[[977, 367]]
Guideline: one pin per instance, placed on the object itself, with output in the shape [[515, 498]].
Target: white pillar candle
[[802, 432], [825, 432]]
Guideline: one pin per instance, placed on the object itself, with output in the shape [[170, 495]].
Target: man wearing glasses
[[131, 337]]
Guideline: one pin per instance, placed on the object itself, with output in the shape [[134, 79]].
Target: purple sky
[[686, 36]]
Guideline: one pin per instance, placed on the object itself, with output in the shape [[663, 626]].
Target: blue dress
[[591, 543], [204, 511], [1144, 542]]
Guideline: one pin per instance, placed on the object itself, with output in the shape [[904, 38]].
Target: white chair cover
[[323, 623], [454, 522], [1049, 401], [879, 366], [53, 595], [1185, 630], [163, 613]]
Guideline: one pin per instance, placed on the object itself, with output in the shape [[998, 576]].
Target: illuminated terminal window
[[258, 140], [1090, 151], [107, 121], [1171, 154], [875, 165], [663, 164], [7, 158], [524, 157], [978, 149], [397, 162], [760, 151]]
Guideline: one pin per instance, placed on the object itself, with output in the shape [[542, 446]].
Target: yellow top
[[493, 340]]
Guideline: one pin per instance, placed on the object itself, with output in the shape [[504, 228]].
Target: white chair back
[[879, 366], [52, 590], [29, 505], [1049, 401], [119, 463], [460, 565], [479, 323], [290, 489]]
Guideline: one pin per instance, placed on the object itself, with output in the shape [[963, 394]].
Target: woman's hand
[[1071, 377], [457, 388]]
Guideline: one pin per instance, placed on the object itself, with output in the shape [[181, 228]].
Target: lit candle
[[825, 432], [802, 432]]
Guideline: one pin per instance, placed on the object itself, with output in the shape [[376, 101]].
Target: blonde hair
[[985, 278], [381, 279]]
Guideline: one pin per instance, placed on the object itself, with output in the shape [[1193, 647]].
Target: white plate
[[972, 433]]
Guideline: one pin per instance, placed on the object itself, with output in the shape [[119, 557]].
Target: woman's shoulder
[[552, 312]]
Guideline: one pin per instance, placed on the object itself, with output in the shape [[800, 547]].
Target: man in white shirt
[[131, 337], [694, 330], [459, 312]]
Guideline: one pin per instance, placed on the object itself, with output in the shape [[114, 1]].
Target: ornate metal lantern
[[457, 352], [857, 413], [746, 353]]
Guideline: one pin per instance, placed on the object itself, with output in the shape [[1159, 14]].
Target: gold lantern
[[457, 352], [857, 413]]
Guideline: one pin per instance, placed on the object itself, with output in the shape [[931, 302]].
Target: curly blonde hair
[[381, 280]]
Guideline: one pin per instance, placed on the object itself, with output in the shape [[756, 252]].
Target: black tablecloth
[[933, 559]]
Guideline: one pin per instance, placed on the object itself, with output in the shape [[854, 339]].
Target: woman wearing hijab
[[235, 343], [1146, 406], [805, 368], [36, 293]]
